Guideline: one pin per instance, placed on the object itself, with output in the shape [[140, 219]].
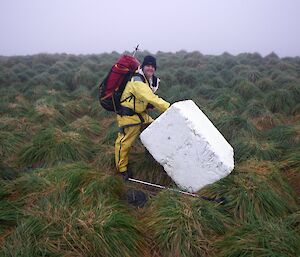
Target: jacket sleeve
[[144, 92]]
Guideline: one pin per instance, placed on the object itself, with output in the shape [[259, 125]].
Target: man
[[137, 96]]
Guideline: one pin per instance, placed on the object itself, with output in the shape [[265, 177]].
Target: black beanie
[[149, 60]]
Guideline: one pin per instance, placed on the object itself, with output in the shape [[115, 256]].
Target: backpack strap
[[138, 77], [125, 111]]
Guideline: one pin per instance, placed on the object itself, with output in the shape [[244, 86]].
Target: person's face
[[149, 71]]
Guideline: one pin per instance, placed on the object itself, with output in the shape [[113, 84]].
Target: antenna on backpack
[[135, 50]]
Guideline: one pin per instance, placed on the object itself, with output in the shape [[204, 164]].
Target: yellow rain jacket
[[136, 96]]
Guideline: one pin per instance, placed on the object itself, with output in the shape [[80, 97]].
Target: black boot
[[126, 175]]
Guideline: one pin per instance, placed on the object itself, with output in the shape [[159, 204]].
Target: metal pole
[[135, 50], [221, 200], [162, 187]]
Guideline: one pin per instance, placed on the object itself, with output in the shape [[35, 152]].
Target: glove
[[155, 83], [150, 106]]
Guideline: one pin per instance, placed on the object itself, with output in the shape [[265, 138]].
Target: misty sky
[[97, 26]]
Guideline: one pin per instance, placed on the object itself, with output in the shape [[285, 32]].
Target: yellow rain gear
[[136, 96]]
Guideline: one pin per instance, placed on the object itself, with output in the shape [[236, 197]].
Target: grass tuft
[[235, 126], [251, 196], [184, 227], [246, 148], [261, 239], [52, 146]]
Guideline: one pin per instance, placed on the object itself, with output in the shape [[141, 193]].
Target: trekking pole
[[135, 50], [218, 200]]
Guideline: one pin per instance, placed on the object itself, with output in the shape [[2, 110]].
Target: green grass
[[110, 134], [104, 157], [8, 173], [245, 148], [10, 211], [265, 121], [255, 109], [208, 92], [293, 221], [52, 146], [144, 167], [296, 110], [251, 196], [234, 126], [291, 159], [87, 126], [60, 198], [261, 239], [77, 108], [286, 136], [78, 213], [49, 114], [280, 100], [228, 102], [81, 178], [184, 227], [24, 240], [247, 90], [9, 143]]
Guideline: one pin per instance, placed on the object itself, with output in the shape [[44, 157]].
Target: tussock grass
[[184, 227], [17, 193], [208, 92], [261, 239], [286, 136], [293, 221], [10, 211], [292, 160], [235, 126], [80, 178], [80, 215], [9, 143], [104, 157], [8, 123], [228, 102], [28, 183], [8, 173], [87, 126], [111, 134], [280, 100], [145, 167], [98, 112], [24, 240], [254, 76], [245, 148], [251, 196], [247, 90], [255, 109], [76, 108], [49, 114], [71, 210], [294, 89], [266, 121], [21, 127], [3, 189], [77, 209], [52, 146], [266, 84], [296, 110]]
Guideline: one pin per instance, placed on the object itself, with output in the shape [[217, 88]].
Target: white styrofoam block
[[189, 147]]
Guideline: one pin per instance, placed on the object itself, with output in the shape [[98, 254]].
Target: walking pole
[[218, 200], [135, 50]]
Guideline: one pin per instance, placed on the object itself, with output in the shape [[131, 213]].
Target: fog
[[96, 26]]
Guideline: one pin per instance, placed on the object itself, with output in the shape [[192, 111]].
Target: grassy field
[[59, 193]]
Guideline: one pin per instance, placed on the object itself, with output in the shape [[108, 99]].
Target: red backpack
[[112, 87]]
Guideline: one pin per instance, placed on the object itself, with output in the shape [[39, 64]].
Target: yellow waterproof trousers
[[126, 138]]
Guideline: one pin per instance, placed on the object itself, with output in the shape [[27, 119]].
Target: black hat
[[149, 60]]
